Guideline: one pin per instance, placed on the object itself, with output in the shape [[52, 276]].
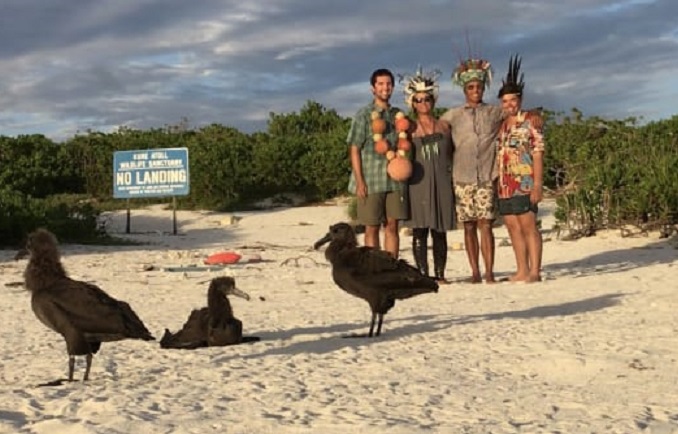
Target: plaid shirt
[[374, 165]]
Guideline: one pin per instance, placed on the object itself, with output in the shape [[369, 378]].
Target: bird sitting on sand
[[371, 274], [214, 325], [81, 312]]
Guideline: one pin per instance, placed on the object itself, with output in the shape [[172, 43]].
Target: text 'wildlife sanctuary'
[[145, 173]]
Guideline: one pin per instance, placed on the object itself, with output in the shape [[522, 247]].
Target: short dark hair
[[380, 73], [510, 89]]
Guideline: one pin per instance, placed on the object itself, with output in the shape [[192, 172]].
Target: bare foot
[[473, 279], [489, 278], [518, 277], [533, 279], [442, 281]]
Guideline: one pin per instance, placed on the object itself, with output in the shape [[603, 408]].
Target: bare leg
[[472, 249], [391, 237], [372, 236], [487, 248], [528, 224], [519, 248]]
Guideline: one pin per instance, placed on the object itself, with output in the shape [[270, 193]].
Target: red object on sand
[[222, 258]]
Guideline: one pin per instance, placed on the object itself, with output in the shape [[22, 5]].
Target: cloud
[[73, 65]]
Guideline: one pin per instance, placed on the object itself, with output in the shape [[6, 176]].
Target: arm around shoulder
[[447, 117], [536, 130], [535, 117]]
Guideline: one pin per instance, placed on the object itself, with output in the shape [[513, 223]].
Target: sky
[[72, 66]]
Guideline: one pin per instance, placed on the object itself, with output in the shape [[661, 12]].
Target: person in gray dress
[[431, 205]]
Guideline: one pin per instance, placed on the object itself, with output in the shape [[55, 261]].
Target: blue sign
[[150, 173]]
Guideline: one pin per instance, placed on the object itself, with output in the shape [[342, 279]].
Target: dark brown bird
[[214, 325], [371, 274], [79, 311]]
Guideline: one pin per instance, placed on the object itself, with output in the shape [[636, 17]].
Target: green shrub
[[70, 217], [611, 173], [606, 173]]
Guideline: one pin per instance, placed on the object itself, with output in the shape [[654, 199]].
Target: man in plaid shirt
[[381, 200]]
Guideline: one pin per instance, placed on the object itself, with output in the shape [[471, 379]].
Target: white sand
[[594, 348]]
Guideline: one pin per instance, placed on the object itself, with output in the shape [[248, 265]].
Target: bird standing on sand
[[371, 274], [214, 325], [79, 311]]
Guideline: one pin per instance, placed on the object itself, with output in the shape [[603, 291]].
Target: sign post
[[151, 173]]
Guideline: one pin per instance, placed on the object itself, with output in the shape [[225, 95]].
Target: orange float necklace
[[399, 167]]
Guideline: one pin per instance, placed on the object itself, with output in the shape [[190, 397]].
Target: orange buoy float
[[399, 168], [221, 258]]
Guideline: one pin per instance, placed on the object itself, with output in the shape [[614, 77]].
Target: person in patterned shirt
[[520, 163], [474, 130], [475, 125], [381, 200]]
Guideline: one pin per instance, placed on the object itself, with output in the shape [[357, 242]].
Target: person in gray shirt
[[474, 129]]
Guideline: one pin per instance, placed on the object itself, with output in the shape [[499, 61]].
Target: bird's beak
[[239, 293], [322, 241], [21, 254]]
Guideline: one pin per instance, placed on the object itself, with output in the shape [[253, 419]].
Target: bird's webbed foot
[[357, 335], [53, 383]]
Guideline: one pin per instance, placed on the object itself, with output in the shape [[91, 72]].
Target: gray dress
[[430, 186]]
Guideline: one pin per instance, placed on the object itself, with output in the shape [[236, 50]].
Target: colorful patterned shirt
[[374, 164], [516, 145]]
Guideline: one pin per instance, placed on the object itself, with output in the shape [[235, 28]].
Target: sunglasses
[[424, 99]]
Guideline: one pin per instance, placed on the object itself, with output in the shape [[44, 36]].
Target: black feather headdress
[[513, 84]]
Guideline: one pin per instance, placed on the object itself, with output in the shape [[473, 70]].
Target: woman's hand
[[537, 194]]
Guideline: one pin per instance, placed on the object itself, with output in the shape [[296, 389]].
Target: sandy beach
[[591, 349]]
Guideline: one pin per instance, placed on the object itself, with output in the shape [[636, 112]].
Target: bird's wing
[[50, 313], [196, 324], [374, 269], [365, 260], [93, 311], [193, 334], [369, 261], [56, 318], [226, 332]]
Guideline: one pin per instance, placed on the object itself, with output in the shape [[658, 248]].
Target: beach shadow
[[15, 418], [142, 240], [592, 304], [616, 261], [420, 324]]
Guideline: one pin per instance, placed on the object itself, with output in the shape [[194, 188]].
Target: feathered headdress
[[472, 69], [513, 84], [420, 82]]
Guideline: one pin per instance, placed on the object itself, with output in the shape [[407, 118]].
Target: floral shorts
[[474, 201]]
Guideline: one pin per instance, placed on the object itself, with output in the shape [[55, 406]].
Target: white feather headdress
[[420, 82]]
